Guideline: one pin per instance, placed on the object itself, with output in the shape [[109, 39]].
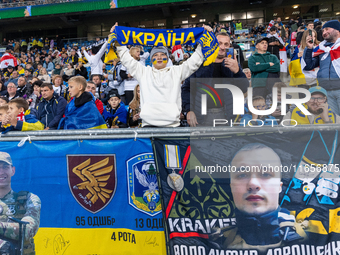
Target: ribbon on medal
[[172, 161]]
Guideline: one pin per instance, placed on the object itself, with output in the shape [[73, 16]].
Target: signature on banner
[[60, 245]]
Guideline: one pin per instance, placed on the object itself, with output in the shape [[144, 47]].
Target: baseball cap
[[114, 93], [5, 157], [318, 89], [261, 39]]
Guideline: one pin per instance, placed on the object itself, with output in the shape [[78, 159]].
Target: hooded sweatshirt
[[160, 97]]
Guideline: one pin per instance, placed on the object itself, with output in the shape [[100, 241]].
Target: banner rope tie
[[23, 141]]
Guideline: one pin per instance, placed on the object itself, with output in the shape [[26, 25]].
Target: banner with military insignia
[[251, 193], [97, 196], [167, 38]]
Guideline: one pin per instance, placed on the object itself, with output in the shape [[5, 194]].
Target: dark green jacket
[[263, 69]]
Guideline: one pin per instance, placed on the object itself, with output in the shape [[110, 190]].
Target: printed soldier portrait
[[17, 208], [255, 186]]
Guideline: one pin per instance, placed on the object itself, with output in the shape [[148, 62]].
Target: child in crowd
[[160, 85], [269, 101], [3, 101], [252, 119], [19, 117], [3, 111], [115, 113], [81, 112]]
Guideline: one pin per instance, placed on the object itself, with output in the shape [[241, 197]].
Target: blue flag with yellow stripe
[[86, 116]]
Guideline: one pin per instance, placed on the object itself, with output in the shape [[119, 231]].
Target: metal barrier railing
[[96, 134]]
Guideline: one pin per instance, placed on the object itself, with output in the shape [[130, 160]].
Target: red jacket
[[99, 105]]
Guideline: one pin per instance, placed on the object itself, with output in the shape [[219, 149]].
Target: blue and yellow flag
[[35, 42], [167, 38], [110, 55], [296, 69], [86, 116]]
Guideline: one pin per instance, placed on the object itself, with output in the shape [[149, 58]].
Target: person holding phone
[[318, 106], [310, 79], [225, 66]]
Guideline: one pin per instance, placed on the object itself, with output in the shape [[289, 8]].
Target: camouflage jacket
[[24, 206]]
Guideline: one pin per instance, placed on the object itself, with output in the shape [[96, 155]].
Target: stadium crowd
[[16, 3], [45, 84]]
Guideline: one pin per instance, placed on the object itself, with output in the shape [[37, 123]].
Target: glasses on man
[[11, 87], [318, 99], [261, 107]]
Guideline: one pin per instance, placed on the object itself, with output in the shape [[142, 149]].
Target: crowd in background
[[16, 3], [42, 70]]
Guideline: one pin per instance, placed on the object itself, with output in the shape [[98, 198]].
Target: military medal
[[175, 181], [173, 161]]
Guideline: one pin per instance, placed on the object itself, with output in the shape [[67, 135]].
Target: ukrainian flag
[[35, 42], [86, 116], [297, 74], [295, 70]]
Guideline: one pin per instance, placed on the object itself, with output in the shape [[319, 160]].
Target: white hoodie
[[160, 90]]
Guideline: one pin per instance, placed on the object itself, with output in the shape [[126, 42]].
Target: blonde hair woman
[[309, 76], [303, 44], [43, 75], [134, 108]]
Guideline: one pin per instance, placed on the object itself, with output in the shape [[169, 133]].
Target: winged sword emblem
[[95, 178]]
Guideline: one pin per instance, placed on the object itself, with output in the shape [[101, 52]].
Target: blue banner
[[90, 189]]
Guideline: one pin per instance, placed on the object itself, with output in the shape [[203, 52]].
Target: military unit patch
[[142, 184], [92, 180]]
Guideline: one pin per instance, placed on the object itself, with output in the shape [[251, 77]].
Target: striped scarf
[[302, 119], [334, 52]]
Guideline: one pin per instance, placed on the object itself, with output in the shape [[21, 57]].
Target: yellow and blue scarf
[[167, 38], [302, 119]]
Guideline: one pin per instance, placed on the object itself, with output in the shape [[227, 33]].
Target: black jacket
[[191, 100], [82, 72], [50, 112], [274, 49]]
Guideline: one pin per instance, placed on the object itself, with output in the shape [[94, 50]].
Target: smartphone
[[319, 111], [230, 53], [311, 34]]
